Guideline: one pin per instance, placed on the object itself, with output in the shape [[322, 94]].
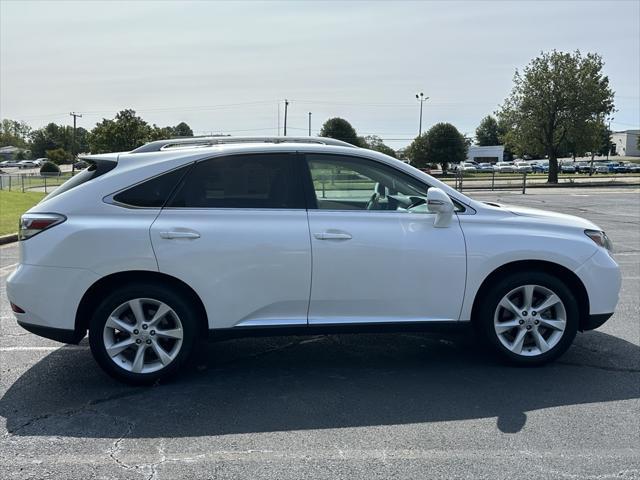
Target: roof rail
[[160, 145]]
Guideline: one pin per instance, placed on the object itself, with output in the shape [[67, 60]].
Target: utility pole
[[609, 138], [309, 123], [286, 106], [73, 145], [421, 98]]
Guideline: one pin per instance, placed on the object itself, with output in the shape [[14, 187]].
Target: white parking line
[[8, 268], [41, 349]]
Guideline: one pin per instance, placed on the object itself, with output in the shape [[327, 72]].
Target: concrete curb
[[4, 239]]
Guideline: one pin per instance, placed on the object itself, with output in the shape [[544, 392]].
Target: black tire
[[172, 298], [484, 317]]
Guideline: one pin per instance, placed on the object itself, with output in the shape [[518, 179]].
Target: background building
[[489, 154], [626, 143]]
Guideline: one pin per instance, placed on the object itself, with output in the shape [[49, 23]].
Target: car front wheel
[[142, 333], [529, 318]]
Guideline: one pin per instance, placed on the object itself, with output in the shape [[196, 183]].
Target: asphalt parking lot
[[359, 406]]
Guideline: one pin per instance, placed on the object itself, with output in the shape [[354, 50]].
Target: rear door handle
[[332, 236], [179, 234]]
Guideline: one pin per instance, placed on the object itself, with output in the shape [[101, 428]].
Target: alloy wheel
[[143, 335], [530, 320]]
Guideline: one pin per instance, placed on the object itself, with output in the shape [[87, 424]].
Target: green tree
[[374, 142], [488, 132], [125, 132], [340, 129], [182, 130], [14, 133], [20, 155], [59, 156], [554, 97], [442, 144], [49, 167], [55, 136], [50, 137], [160, 133]]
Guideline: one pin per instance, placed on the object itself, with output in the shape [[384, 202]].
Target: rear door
[[236, 231]]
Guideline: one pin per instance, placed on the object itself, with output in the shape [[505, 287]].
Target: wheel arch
[[572, 281], [101, 287]]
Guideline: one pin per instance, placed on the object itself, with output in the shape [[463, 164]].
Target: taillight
[[33, 223]]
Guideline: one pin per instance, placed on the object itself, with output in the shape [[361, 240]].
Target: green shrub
[[49, 167]]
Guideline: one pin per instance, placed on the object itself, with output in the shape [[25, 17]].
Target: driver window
[[350, 183]]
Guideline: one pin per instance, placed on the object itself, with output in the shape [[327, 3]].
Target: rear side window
[[152, 193], [84, 176], [242, 181]]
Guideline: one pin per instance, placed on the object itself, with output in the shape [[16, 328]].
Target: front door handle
[[179, 234], [332, 236]]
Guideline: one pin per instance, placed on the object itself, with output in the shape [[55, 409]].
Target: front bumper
[[601, 277]]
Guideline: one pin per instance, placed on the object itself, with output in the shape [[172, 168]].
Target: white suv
[[153, 249]]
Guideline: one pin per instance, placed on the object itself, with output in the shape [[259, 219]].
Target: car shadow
[[297, 383]]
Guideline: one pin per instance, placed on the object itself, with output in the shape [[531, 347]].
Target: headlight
[[600, 238]]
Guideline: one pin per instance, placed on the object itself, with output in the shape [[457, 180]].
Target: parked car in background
[[619, 168], [523, 167], [9, 163], [468, 167], [601, 168], [504, 167], [27, 164], [151, 250], [485, 167], [540, 167], [633, 167], [40, 161], [568, 168], [585, 167], [80, 165]]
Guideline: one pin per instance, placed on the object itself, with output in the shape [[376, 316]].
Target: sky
[[226, 67]]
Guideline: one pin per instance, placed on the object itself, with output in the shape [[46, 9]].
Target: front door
[[376, 255]]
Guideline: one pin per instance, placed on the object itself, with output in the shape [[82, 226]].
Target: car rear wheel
[[143, 333], [529, 318]]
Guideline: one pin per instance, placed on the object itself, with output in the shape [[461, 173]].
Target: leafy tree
[[14, 133], [441, 144], [126, 132], [340, 129], [552, 99], [49, 167], [182, 130], [55, 136], [20, 155], [488, 132], [374, 142], [160, 133], [59, 156], [49, 137]]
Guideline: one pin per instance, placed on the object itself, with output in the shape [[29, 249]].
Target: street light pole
[[286, 106], [421, 98], [309, 123], [73, 145]]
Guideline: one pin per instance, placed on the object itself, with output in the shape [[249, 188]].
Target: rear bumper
[[49, 297], [594, 321], [58, 334]]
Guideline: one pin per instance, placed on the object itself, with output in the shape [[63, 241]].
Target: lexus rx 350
[[152, 249]]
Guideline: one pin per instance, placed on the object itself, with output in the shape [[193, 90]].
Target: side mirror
[[439, 203]]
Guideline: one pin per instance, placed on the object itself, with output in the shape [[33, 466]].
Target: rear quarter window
[[152, 193]]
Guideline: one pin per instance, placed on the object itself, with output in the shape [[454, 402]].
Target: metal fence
[[522, 181], [32, 182]]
